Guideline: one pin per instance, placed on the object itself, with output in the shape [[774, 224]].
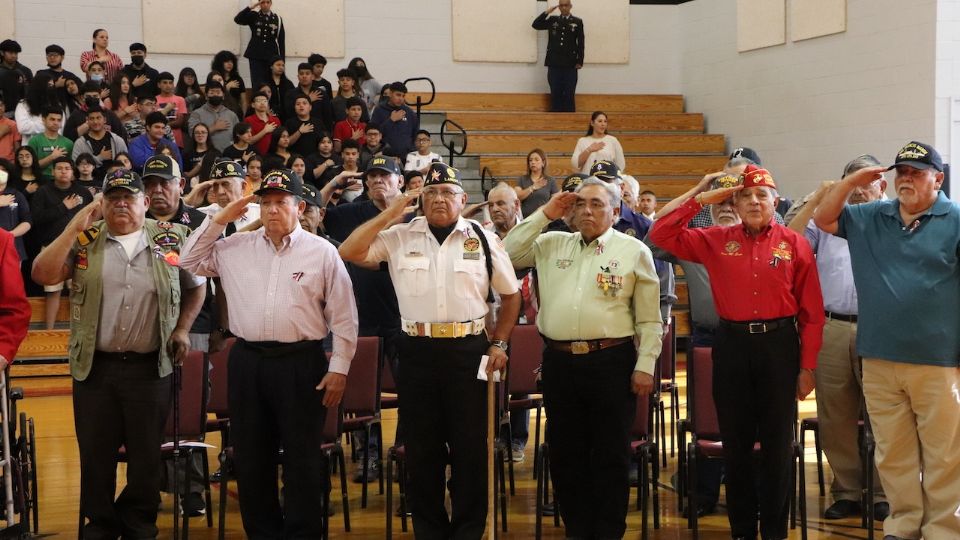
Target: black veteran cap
[[572, 182], [919, 156], [383, 163], [226, 168], [283, 180], [162, 166], [441, 173], [123, 178], [748, 153], [605, 170], [311, 196]]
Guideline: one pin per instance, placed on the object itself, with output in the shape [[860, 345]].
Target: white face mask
[[98, 77]]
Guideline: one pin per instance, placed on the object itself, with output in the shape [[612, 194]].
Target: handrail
[[450, 146], [419, 103], [484, 175]]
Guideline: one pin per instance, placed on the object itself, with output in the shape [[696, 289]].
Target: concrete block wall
[[397, 38], [811, 106]]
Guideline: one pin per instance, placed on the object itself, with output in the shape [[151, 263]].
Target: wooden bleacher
[[468, 101]]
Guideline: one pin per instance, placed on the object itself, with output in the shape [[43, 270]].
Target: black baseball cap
[[55, 49], [383, 163], [9, 45], [605, 170], [162, 166], [311, 196], [441, 173], [123, 178], [748, 153], [282, 180], [572, 182], [919, 156], [226, 168]]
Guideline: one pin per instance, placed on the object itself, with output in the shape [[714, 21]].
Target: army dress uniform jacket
[[164, 241], [267, 35], [565, 45]]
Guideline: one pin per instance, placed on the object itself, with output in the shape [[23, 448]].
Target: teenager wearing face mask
[[219, 119], [142, 77]]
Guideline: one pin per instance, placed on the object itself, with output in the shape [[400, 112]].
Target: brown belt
[[584, 347]]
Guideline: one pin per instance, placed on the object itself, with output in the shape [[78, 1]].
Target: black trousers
[[563, 88], [444, 412], [590, 407], [274, 404], [259, 73], [122, 402], [754, 387]]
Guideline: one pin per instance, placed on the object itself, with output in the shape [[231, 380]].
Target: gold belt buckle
[[579, 347], [442, 330]]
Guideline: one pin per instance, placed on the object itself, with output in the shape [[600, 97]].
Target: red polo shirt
[[753, 277], [256, 124]]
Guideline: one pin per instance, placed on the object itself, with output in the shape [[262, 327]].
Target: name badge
[[475, 256]]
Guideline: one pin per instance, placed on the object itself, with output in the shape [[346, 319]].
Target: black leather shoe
[[842, 509], [881, 511]]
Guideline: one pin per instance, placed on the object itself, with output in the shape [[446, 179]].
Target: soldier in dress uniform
[[444, 268], [564, 54], [266, 40]]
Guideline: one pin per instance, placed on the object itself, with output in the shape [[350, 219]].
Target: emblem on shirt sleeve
[[630, 232], [732, 248], [80, 259], [88, 236]]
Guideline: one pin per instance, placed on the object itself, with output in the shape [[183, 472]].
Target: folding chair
[[396, 455], [813, 425], [219, 407], [361, 400], [526, 354], [667, 369], [644, 450], [544, 489]]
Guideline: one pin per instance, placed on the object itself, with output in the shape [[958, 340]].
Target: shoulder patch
[[88, 236]]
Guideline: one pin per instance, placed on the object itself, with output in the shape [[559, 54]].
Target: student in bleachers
[[421, 158], [9, 134], [218, 119], [321, 102], [304, 128], [153, 141], [15, 215], [225, 64], [369, 87], [27, 175], [143, 78], [398, 123], [318, 63], [41, 96], [351, 127], [262, 124], [99, 53], [174, 106], [14, 76], [349, 87], [103, 145], [536, 187], [281, 88], [50, 144], [188, 87]]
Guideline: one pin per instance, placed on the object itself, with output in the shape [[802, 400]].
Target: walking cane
[[177, 503], [491, 432]]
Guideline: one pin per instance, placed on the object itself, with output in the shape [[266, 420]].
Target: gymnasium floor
[[60, 477]]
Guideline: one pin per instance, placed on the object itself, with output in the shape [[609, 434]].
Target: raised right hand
[[86, 216], [233, 211], [559, 204], [715, 196], [865, 176]]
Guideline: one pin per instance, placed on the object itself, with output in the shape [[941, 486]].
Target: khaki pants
[[915, 413], [838, 408]]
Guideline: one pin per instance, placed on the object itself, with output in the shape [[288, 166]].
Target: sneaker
[[193, 505], [516, 450], [373, 472]]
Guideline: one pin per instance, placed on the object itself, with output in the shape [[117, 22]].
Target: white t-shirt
[[417, 161]]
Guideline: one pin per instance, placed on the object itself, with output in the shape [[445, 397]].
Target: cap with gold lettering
[[162, 166], [607, 171], [572, 182], [754, 176], [441, 173], [383, 163], [919, 156], [725, 181], [226, 168], [123, 178]]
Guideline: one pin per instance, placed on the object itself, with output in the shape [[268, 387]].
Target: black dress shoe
[[881, 511], [841, 509]]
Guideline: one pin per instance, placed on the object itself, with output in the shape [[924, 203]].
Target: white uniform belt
[[444, 330]]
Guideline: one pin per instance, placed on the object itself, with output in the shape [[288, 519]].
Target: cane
[[491, 432], [177, 503]]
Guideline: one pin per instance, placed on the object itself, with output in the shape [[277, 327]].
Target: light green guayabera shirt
[[605, 289]]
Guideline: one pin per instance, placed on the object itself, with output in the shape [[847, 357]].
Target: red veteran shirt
[[767, 276]]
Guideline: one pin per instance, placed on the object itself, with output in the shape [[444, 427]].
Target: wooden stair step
[[509, 143], [666, 188], [40, 370], [38, 305], [610, 103], [44, 344], [577, 122], [658, 166]]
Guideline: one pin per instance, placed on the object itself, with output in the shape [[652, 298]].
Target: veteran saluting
[[599, 292], [444, 268]]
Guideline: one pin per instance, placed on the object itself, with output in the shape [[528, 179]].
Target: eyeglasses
[[447, 195]]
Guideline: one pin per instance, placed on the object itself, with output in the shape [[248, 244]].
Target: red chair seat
[[714, 449], [356, 423], [528, 403]]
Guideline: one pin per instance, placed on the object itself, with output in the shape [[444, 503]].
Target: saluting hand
[[559, 204], [333, 384], [233, 211], [86, 216], [641, 383], [865, 176], [716, 196], [405, 203]]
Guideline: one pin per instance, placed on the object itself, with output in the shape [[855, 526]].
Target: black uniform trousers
[[444, 412], [122, 402], [274, 404], [563, 88], [754, 387], [590, 407], [260, 72]]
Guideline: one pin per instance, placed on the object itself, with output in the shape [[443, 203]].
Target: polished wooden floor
[[60, 477]]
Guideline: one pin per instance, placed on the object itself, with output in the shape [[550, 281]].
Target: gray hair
[[860, 162], [632, 184], [612, 191], [738, 161], [502, 187]]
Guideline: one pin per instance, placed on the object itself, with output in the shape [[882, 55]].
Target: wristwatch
[[499, 343], [225, 332]]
